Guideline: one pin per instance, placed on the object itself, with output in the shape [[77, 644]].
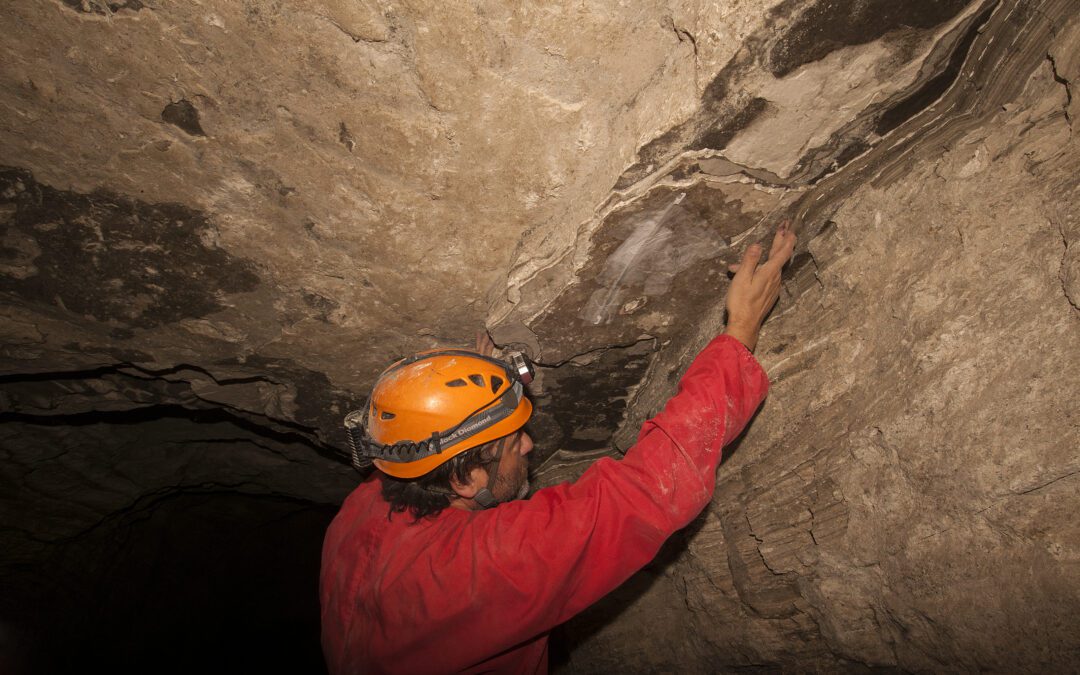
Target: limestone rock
[[902, 500]]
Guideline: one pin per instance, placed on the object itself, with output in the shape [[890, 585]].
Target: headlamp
[[522, 367]]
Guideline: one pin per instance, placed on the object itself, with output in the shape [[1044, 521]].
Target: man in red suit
[[438, 562]]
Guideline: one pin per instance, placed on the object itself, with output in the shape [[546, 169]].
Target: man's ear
[[467, 490]]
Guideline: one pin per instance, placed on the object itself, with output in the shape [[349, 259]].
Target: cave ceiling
[[284, 198]]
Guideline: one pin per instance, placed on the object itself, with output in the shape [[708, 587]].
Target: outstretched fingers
[[783, 245], [754, 289]]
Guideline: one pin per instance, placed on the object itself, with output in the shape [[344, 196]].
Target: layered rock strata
[[903, 499]]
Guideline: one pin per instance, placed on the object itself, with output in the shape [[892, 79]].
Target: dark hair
[[429, 494]]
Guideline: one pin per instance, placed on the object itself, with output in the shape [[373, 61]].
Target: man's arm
[[534, 564]]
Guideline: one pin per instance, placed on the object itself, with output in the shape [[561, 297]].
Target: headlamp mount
[[522, 367]]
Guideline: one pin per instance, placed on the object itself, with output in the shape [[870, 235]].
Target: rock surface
[[221, 219], [904, 499]]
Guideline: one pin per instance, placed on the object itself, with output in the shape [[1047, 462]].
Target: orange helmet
[[435, 405]]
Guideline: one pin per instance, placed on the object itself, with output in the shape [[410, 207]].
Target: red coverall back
[[478, 591]]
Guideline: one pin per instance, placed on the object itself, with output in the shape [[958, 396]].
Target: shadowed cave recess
[[220, 220]]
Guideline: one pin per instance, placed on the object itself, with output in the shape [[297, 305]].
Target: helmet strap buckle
[[485, 499]]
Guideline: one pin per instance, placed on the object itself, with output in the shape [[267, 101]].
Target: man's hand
[[754, 289]]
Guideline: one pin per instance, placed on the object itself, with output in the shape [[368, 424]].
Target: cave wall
[[905, 498], [221, 219]]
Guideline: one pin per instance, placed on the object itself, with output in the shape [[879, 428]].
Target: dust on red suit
[[478, 591]]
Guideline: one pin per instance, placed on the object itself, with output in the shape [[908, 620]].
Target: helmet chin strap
[[485, 496]]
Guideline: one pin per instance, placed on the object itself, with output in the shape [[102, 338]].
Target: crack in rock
[[684, 35], [1065, 83], [1047, 483], [592, 354], [219, 413], [1065, 270]]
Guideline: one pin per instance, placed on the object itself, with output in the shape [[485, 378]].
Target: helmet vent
[[387, 415], [456, 383], [478, 380], [496, 382]]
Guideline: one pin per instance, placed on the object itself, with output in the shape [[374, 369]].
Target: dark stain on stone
[[120, 261], [584, 405], [685, 171], [935, 87], [853, 149], [714, 208], [689, 250], [345, 138], [722, 111], [104, 7], [717, 91], [322, 305], [718, 137], [184, 116], [779, 349], [831, 24], [651, 152]]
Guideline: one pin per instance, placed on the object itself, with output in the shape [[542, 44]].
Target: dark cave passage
[[148, 529], [184, 581]]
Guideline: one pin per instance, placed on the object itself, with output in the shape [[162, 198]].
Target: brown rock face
[[902, 500], [221, 219]]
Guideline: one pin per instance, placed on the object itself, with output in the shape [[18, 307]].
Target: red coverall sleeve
[[534, 564]]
